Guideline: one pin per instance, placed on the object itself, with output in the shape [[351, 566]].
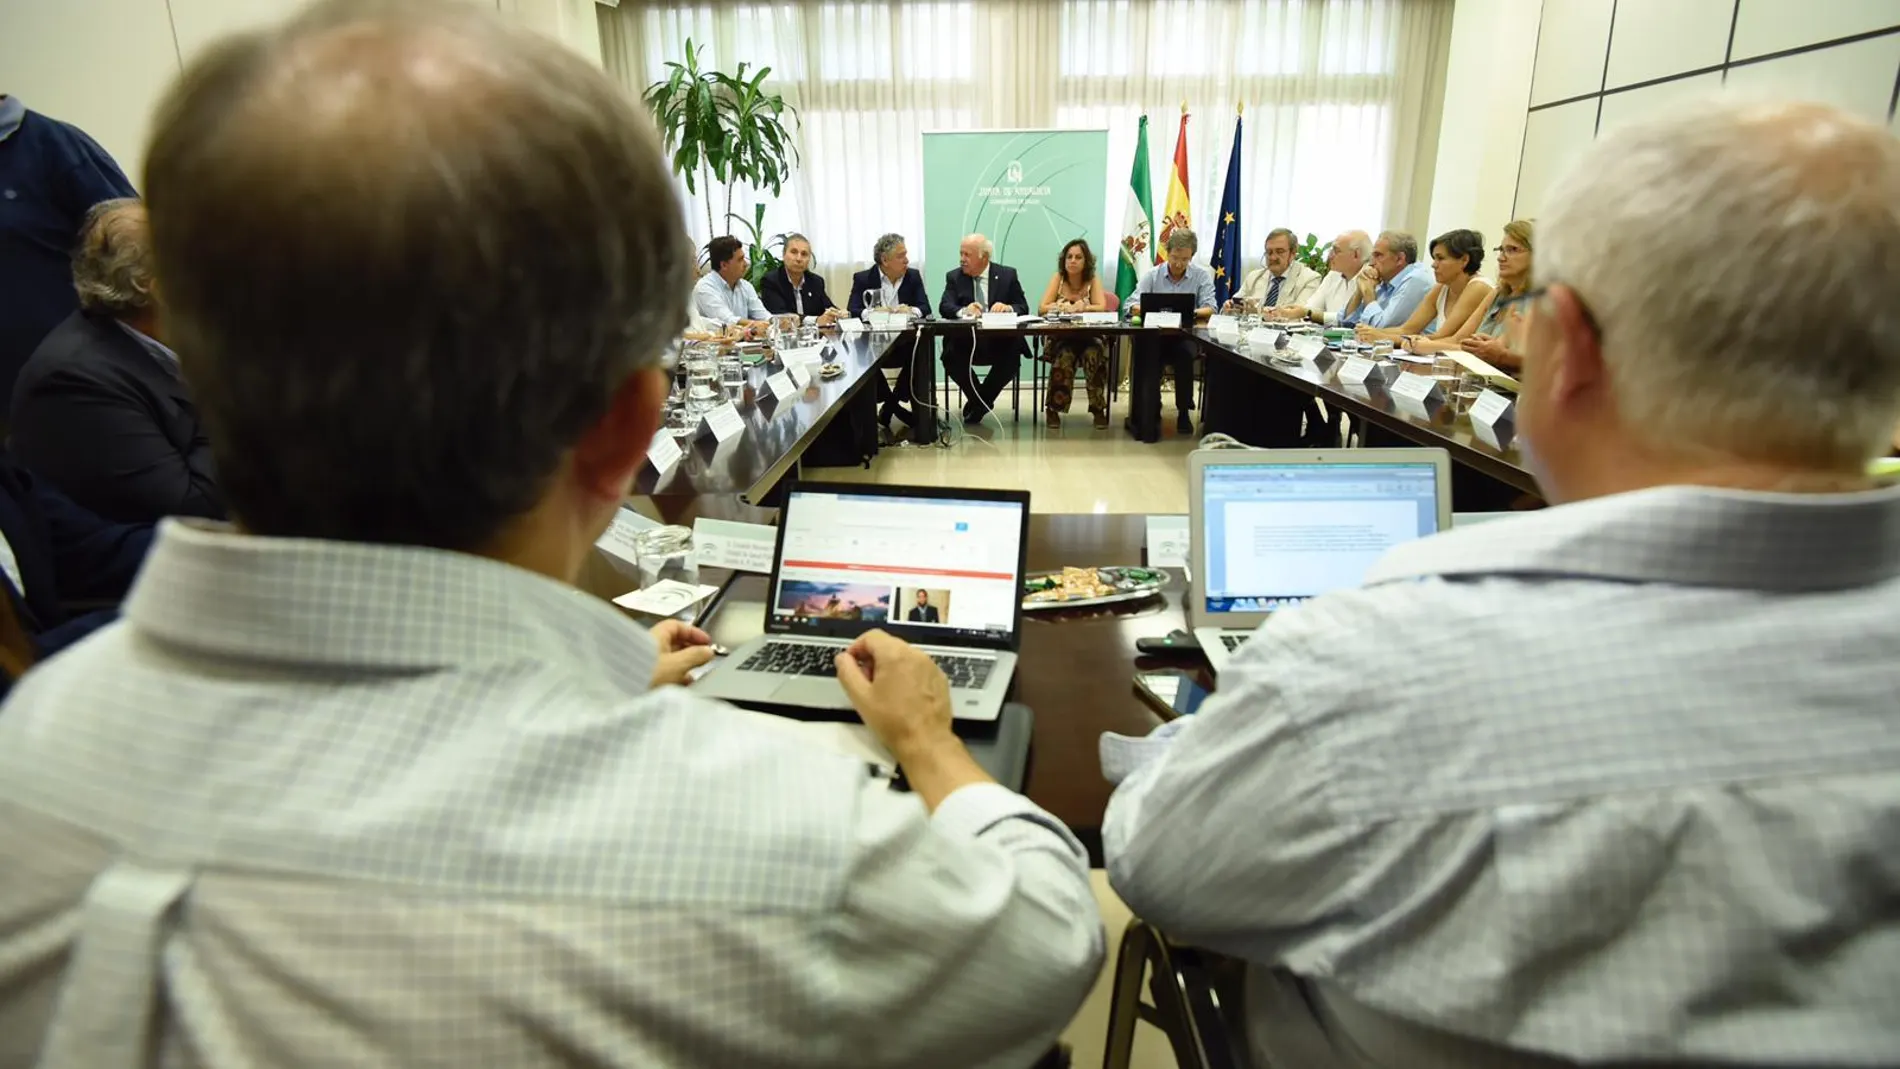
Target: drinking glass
[[1470, 385], [732, 375], [666, 553], [1447, 372], [702, 380]]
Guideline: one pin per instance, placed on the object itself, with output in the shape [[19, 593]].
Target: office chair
[[1202, 1026]]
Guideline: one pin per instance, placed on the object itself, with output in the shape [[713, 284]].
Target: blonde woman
[[1502, 317], [1074, 288], [1452, 305]]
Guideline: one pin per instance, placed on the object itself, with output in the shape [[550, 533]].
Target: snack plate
[[1132, 584]]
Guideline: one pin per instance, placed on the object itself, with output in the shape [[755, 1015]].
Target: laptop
[[939, 567], [1270, 528], [1169, 302]]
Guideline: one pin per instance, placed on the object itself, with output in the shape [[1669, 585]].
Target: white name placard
[[887, 320], [800, 373], [1490, 407], [743, 547], [1355, 369], [1167, 541], [1307, 347], [664, 452], [619, 538], [806, 354], [851, 326], [780, 385], [1262, 340], [999, 320], [1419, 388], [1488, 434], [1224, 327], [1099, 319], [723, 422], [1162, 320]]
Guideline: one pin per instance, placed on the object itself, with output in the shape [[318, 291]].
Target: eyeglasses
[[1512, 249]]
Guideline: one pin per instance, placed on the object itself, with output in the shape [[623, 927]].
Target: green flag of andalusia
[[1137, 251]]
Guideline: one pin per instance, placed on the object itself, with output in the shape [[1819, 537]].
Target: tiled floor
[[1076, 469]]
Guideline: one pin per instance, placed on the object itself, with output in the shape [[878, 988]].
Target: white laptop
[[1270, 528], [940, 568]]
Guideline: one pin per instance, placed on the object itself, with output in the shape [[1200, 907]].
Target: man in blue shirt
[[723, 295], [1177, 274], [51, 173], [1392, 285]]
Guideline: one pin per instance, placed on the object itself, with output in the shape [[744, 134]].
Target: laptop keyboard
[[806, 659], [1234, 642]]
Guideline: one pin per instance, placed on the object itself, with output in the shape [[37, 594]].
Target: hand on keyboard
[[899, 691]]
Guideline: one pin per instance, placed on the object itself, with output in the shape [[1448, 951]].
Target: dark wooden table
[[1231, 373]]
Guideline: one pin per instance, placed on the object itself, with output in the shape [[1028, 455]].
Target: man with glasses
[[1348, 256], [1629, 794]]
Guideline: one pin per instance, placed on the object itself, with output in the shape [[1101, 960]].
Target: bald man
[[980, 285], [1348, 256]]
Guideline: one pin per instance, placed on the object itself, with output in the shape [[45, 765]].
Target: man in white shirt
[[1282, 281], [363, 779], [1630, 794], [723, 294], [1330, 300]]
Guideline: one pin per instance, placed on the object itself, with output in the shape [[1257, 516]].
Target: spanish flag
[[1177, 213]]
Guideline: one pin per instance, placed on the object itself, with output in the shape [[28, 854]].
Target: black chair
[[1196, 1004]]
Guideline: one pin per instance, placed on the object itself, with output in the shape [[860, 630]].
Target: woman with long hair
[[1074, 288], [1451, 309], [1501, 319]]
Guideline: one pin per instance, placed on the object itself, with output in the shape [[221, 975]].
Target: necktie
[[982, 282], [1273, 292]]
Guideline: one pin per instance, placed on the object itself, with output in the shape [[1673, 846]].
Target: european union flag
[[1227, 258]]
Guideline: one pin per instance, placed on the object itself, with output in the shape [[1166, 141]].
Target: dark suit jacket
[[65, 553], [924, 614], [959, 290], [111, 426], [775, 292], [910, 291]]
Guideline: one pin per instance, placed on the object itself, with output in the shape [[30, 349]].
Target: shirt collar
[[355, 606], [12, 114], [159, 350], [1686, 535]]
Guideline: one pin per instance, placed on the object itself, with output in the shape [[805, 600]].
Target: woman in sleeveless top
[[1449, 313], [1495, 341], [1074, 288]]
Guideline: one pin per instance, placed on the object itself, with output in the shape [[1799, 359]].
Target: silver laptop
[[1270, 528], [941, 568]]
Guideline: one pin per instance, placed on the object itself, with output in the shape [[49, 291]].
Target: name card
[[780, 385], [806, 354], [1490, 408], [724, 422], [1224, 327], [1488, 434], [743, 547], [1167, 541], [1263, 340], [1162, 320], [1099, 319], [664, 452], [1307, 347], [800, 373], [851, 326], [1000, 320], [619, 539], [888, 320], [1356, 370], [1419, 388]]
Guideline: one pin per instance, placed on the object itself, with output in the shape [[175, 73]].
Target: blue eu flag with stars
[[1227, 259]]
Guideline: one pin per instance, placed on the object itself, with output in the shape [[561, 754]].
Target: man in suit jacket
[[975, 287], [898, 286], [56, 552], [50, 174], [924, 612], [792, 289], [101, 409], [1284, 282]]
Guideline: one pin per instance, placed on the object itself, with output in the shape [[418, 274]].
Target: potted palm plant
[[726, 129]]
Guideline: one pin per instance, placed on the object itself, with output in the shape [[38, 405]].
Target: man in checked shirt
[[1617, 782], [364, 781]]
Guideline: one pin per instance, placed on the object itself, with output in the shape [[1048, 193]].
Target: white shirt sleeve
[[706, 302]]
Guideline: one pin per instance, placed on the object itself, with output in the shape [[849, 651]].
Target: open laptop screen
[[1277, 534], [931, 569]]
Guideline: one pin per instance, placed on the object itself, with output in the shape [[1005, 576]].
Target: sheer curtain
[[1341, 99]]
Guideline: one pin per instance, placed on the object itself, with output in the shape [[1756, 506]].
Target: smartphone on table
[[1171, 693]]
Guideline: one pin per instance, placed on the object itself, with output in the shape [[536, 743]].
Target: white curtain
[[1341, 100]]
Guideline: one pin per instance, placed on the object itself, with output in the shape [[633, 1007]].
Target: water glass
[[732, 375], [1447, 372], [666, 553], [679, 421], [702, 380], [1470, 385]]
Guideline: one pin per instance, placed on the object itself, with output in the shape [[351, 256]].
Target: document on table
[[668, 597], [743, 547]]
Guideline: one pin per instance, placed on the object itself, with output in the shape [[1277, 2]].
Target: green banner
[[1029, 191]]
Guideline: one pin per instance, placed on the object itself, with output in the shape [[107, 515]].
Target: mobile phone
[[1171, 693]]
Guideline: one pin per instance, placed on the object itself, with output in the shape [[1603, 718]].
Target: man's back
[[317, 803], [1614, 782]]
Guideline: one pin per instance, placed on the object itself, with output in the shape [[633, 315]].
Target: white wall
[[1601, 63], [1489, 80], [102, 64]]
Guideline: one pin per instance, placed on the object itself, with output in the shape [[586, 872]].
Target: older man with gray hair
[[363, 777], [1657, 824], [977, 285], [101, 408], [1348, 255]]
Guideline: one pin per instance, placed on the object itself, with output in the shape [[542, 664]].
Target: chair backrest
[[1114, 302]]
